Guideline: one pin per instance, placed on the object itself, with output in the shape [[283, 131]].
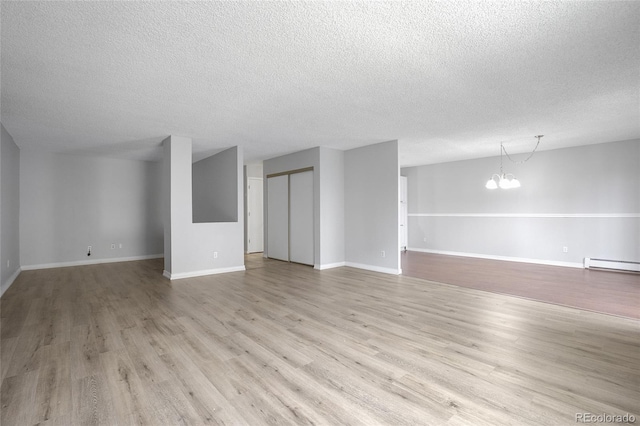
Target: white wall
[[70, 202], [371, 207], [9, 210], [328, 187], [253, 170], [585, 198], [214, 189], [250, 171], [190, 247]]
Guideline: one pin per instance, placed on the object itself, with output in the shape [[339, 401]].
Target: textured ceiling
[[449, 80]]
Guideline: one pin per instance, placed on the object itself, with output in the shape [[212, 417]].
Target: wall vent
[[614, 265]]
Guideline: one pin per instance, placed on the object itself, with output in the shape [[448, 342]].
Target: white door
[[301, 217], [255, 220], [404, 216], [278, 217]]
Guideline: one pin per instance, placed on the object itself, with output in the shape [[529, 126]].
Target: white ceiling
[[449, 80]]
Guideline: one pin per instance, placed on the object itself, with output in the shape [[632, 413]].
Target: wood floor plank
[[212, 407], [287, 389], [14, 311], [17, 398], [105, 330], [57, 421], [28, 350], [286, 344], [146, 360], [38, 312], [7, 347], [128, 393], [58, 327], [220, 346], [92, 402], [84, 352], [368, 396], [53, 393], [171, 406]]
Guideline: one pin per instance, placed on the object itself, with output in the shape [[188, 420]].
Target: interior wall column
[[177, 203]]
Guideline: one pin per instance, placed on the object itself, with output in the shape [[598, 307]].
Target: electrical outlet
[[382, 253], [424, 239], [215, 254], [120, 245], [565, 249], [8, 263], [89, 251], [113, 246], [89, 248]]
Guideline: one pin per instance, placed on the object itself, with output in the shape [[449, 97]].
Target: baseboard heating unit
[[614, 265]]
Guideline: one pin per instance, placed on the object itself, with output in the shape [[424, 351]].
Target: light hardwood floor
[[286, 344]]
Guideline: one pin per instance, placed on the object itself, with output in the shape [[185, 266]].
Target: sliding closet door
[[301, 217], [278, 217]]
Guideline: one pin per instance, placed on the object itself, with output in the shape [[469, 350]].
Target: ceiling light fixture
[[508, 180]]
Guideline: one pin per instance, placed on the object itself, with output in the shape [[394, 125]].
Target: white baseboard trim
[[329, 265], [505, 258], [374, 268], [90, 262], [181, 275], [5, 285]]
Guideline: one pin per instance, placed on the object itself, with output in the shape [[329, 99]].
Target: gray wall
[[9, 210], [328, 192], [585, 198], [189, 247], [214, 188], [70, 202], [372, 206], [356, 201]]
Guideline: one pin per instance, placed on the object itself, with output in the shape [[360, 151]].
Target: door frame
[[251, 218]]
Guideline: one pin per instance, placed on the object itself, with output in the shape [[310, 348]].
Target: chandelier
[[508, 180]]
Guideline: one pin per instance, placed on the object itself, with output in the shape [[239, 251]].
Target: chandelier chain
[[526, 159]]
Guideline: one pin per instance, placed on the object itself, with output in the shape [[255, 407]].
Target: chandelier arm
[[526, 159]]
